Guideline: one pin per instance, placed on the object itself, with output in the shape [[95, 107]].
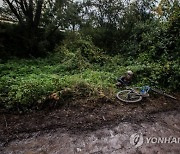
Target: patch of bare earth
[[86, 117]]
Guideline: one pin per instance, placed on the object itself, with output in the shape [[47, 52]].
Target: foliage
[[82, 47], [31, 82], [101, 41], [14, 42]]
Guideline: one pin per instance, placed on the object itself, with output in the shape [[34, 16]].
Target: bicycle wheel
[[128, 96]]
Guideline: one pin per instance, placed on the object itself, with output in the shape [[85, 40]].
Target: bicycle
[[133, 95]]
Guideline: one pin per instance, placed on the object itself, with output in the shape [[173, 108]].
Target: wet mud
[[92, 126]]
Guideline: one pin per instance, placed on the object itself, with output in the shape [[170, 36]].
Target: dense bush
[[79, 69], [32, 82], [15, 41], [82, 47], [98, 46]]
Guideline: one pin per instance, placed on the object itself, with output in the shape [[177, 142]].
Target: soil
[[91, 126]]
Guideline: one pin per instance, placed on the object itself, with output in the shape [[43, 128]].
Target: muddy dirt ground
[[92, 126]]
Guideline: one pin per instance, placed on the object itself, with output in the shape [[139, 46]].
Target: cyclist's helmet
[[129, 72]]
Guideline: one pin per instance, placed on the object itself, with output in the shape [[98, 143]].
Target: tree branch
[[30, 10], [13, 9], [22, 6], [38, 12]]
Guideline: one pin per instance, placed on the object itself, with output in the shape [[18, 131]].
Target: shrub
[[82, 46]]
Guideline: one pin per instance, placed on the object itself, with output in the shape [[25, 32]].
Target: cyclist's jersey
[[124, 80]]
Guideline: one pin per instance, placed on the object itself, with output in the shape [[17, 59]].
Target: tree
[[69, 15], [35, 19], [28, 13], [167, 9]]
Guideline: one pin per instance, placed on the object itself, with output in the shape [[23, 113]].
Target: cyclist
[[125, 79]]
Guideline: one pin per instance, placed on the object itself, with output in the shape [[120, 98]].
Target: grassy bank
[[27, 83]]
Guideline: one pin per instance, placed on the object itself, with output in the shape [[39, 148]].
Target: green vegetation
[[82, 72], [39, 63]]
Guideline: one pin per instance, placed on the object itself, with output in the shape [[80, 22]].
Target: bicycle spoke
[[128, 96]]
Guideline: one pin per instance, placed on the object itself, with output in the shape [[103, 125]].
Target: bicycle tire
[[163, 93], [136, 97]]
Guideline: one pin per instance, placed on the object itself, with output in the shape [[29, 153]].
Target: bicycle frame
[[132, 91], [132, 95], [144, 89], [147, 89]]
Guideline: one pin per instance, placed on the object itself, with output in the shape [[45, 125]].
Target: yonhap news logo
[[138, 140]]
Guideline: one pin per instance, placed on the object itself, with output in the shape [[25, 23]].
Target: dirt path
[[100, 126], [113, 140]]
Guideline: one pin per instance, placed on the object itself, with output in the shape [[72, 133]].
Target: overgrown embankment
[[77, 70]]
